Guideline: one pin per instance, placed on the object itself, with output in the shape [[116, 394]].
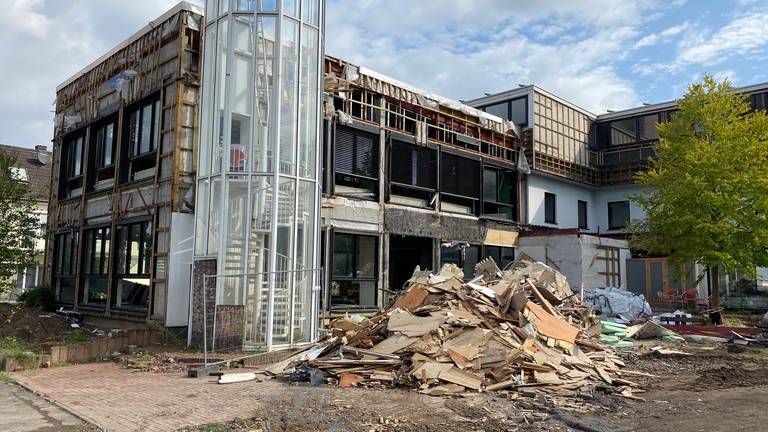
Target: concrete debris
[[443, 336]]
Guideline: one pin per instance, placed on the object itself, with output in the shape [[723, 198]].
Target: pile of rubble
[[519, 329]]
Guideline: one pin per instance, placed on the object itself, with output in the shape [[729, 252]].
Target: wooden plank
[[551, 326], [457, 376]]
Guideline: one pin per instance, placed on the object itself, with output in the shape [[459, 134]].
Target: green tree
[[707, 196], [18, 224]]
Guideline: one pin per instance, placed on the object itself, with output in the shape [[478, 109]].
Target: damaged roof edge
[[181, 6], [507, 125]]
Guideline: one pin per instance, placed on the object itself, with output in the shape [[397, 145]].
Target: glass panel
[[122, 249], [221, 67], [618, 214], [131, 293], [134, 245], [648, 127], [94, 292], [623, 131], [291, 7], [241, 93], [343, 254], [519, 108], [265, 65], [489, 185], [207, 102], [310, 11], [305, 230], [146, 129], [268, 5], [109, 139], [308, 104], [223, 6], [214, 217], [366, 257], [201, 216], [499, 110], [146, 247], [290, 71], [245, 5], [211, 10]]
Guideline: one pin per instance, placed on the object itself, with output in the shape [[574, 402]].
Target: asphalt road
[[24, 411]]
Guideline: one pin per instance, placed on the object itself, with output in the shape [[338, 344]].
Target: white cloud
[[22, 17], [663, 36]]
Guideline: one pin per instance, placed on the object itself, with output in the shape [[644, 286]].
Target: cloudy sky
[[599, 54]]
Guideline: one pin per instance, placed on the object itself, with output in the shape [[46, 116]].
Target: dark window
[[103, 141], [647, 127], [132, 266], [499, 193], [582, 214], [459, 183], [499, 110], [140, 140], [618, 214], [413, 171], [71, 181], [502, 255], [519, 111], [65, 266], [550, 213], [462, 254], [354, 278], [95, 267], [623, 131], [356, 161]]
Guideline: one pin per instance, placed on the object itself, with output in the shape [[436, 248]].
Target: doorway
[[405, 253]]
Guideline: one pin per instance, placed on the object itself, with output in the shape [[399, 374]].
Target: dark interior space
[[405, 253]]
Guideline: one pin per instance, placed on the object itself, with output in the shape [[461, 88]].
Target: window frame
[[136, 159], [422, 167], [364, 181], [611, 210], [356, 276], [582, 214], [496, 203], [72, 164], [550, 208]]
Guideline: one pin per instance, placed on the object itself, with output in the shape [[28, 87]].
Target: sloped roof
[[38, 174]]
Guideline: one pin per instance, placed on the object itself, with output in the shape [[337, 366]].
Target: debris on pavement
[[520, 329]]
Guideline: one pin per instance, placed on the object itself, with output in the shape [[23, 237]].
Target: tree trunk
[[714, 280]]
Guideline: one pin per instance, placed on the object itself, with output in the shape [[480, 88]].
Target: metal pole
[[205, 320]]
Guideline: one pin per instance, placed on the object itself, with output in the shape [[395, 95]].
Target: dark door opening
[[405, 253]]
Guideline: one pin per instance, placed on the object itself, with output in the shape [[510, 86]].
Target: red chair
[[668, 296], [691, 299]]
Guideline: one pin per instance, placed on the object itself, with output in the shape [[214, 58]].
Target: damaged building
[[121, 211], [221, 175]]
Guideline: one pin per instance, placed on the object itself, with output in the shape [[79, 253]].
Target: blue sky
[[599, 54]]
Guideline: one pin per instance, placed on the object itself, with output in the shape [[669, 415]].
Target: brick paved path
[[118, 399]]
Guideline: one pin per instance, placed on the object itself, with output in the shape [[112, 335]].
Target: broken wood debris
[[519, 330]]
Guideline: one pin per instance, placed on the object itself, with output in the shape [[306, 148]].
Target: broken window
[[550, 211], [356, 162], [65, 265], [132, 266], [413, 174], [459, 184], [71, 177], [354, 277], [141, 134], [502, 255], [499, 193], [582, 214], [618, 214], [103, 140], [463, 254], [96, 243]]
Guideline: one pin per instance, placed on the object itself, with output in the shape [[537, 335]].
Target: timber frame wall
[[161, 64]]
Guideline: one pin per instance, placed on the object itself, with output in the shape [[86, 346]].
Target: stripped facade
[[120, 214], [410, 179]]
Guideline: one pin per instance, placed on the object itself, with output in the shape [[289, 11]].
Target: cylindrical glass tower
[[258, 169]]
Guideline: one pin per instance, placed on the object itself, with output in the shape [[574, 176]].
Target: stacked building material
[[521, 329]]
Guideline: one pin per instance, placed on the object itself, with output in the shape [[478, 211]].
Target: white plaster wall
[[561, 252], [567, 195], [618, 193], [591, 277], [179, 261]]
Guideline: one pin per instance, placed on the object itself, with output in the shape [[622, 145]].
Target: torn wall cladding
[[123, 170]]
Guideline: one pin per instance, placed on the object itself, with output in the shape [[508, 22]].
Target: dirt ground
[[720, 387]]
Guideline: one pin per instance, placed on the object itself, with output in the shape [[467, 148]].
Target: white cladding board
[[179, 262], [575, 256]]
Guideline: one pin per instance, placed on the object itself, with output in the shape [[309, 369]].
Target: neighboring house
[[120, 219], [33, 167]]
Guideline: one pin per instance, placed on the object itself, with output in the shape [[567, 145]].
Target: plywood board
[[551, 326], [460, 377]]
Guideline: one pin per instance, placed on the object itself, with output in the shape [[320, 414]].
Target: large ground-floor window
[[354, 277]]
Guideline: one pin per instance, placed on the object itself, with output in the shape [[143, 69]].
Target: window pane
[[489, 185], [549, 208], [290, 70], [366, 257], [109, 139], [499, 110], [618, 214], [623, 131], [648, 127], [310, 11], [146, 129], [146, 247], [520, 111], [343, 253], [583, 214]]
